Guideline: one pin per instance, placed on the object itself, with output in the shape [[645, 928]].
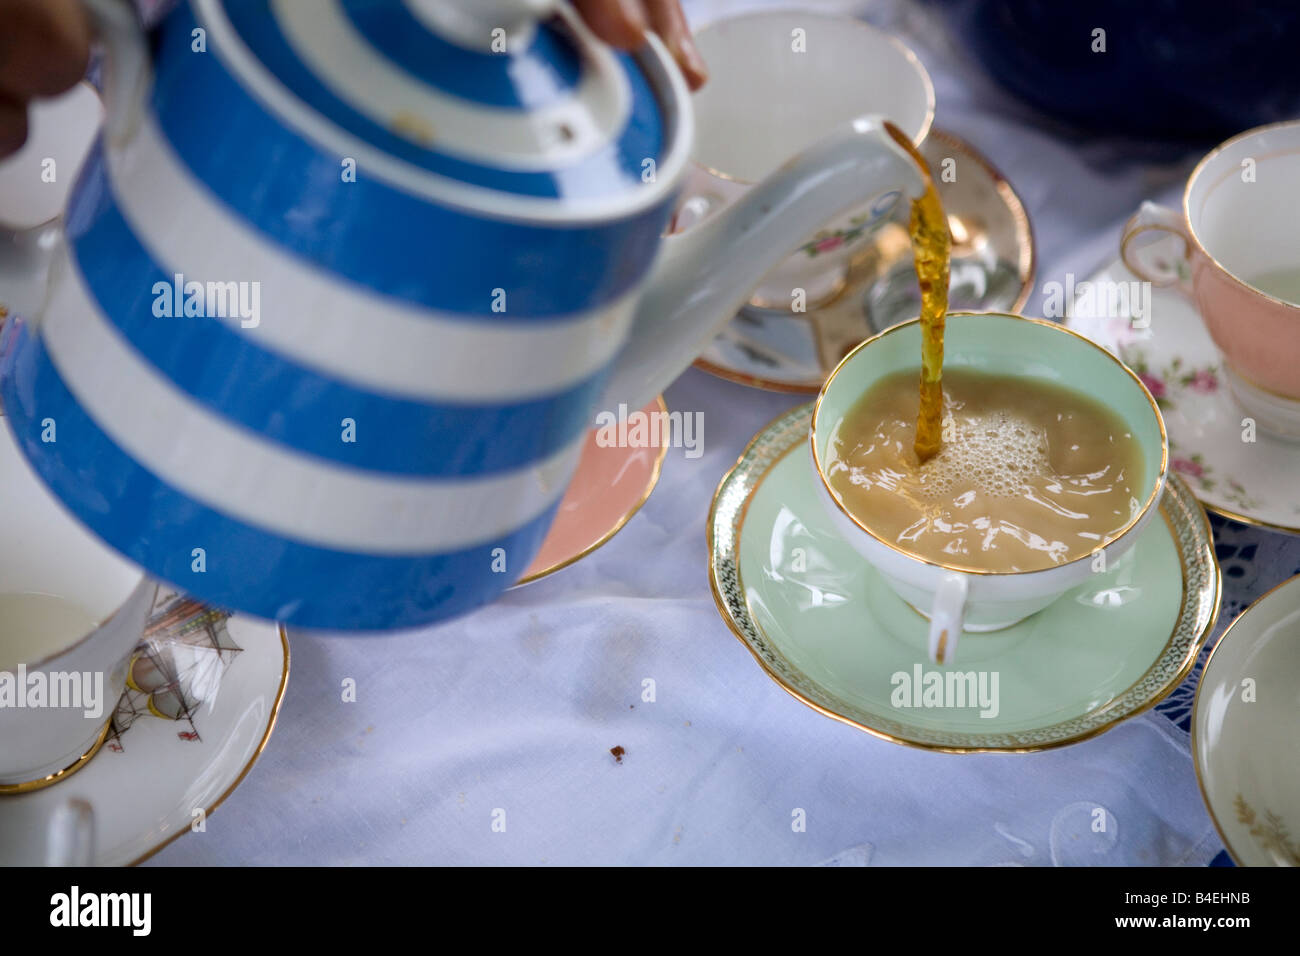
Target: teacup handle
[[70, 834], [947, 617], [1151, 217]]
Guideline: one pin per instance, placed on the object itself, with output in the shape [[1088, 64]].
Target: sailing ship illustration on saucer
[[183, 656]]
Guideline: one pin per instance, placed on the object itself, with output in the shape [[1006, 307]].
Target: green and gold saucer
[[826, 627]]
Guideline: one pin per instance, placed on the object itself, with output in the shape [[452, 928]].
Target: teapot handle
[[126, 65], [472, 23], [25, 255], [703, 275], [70, 834]]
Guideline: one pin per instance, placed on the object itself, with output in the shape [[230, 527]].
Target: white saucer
[[155, 771], [1246, 731], [992, 270], [1253, 482]]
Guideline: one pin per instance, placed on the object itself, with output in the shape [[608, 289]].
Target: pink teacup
[[1241, 265]]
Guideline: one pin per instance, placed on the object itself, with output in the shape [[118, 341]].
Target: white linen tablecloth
[[517, 706]]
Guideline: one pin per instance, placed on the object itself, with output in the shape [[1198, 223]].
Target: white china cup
[[958, 598], [44, 551], [779, 82]]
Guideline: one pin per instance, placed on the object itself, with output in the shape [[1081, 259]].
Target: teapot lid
[[511, 107]]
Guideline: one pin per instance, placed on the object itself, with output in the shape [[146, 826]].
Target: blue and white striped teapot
[[344, 283]]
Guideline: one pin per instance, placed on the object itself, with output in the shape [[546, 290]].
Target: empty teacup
[[780, 81], [1054, 458], [1240, 262], [71, 613]]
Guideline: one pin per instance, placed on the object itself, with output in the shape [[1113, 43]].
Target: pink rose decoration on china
[[1204, 381], [1154, 385]]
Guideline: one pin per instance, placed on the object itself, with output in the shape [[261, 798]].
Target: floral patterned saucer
[[203, 694], [1233, 468], [1246, 731], [824, 625], [993, 269]]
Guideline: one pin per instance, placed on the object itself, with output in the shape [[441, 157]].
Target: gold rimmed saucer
[[993, 270], [1246, 733], [1246, 476], [205, 693], [824, 625], [611, 484]]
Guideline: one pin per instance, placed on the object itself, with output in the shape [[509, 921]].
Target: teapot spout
[[704, 275]]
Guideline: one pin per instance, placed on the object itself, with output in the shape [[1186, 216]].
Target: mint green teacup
[[959, 598]]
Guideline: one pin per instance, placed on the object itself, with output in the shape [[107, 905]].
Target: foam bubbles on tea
[[994, 451], [1029, 475]]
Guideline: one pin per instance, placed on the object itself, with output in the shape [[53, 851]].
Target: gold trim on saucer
[[1196, 706], [1027, 268], [1151, 501], [266, 737], [649, 490], [1177, 495], [1246, 519], [31, 786], [1220, 510], [754, 381]]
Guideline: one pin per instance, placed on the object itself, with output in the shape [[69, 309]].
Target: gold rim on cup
[[1152, 499]]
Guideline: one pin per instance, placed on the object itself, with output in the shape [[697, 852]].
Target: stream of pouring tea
[[931, 251]]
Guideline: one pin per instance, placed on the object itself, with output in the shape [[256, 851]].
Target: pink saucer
[[609, 487]]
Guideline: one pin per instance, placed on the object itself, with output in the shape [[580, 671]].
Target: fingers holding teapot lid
[[622, 23]]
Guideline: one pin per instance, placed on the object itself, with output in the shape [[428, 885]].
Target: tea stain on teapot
[[414, 127]]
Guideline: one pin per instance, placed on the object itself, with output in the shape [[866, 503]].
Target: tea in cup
[[1053, 460], [71, 614], [780, 81], [1240, 263]]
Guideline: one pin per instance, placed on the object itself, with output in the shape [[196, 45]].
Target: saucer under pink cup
[[1238, 223]]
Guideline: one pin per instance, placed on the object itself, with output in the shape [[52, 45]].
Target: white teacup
[[779, 82], [71, 613], [959, 598]]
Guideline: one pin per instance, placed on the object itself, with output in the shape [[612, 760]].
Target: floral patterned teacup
[[780, 82], [1240, 263]]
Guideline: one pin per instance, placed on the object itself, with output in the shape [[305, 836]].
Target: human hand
[[622, 23], [44, 50]]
